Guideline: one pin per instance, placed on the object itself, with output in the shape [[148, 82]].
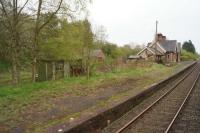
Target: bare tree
[[100, 34], [11, 19]]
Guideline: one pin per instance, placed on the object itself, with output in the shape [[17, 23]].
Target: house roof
[[146, 48], [152, 50], [169, 45], [162, 47], [152, 46], [96, 52], [156, 51]]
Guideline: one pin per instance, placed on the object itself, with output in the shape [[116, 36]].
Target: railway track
[[161, 114], [187, 118]]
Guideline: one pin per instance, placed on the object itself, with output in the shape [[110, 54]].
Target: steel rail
[[181, 107], [154, 103]]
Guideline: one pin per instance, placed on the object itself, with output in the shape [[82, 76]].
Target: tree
[[189, 46], [39, 25], [88, 45], [111, 50], [67, 44], [100, 35], [35, 15], [12, 19], [3, 41], [52, 7]]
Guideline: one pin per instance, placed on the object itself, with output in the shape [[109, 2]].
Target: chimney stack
[[164, 38], [159, 37]]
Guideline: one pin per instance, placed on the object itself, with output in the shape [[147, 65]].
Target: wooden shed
[[50, 70]]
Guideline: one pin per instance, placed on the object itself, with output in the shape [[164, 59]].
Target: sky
[[134, 20]]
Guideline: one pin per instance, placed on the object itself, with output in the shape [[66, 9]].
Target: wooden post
[[54, 71], [46, 68], [66, 70]]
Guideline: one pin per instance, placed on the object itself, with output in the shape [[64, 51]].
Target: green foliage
[[4, 65], [68, 44], [186, 56], [110, 50], [189, 47], [127, 50], [113, 51]]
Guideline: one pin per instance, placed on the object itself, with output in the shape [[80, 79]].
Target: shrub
[[4, 65], [187, 56]]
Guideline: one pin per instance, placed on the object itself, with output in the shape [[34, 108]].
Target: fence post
[[66, 70], [54, 71]]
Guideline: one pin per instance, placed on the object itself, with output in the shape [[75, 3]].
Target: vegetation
[[52, 30], [186, 56], [22, 24], [4, 66], [189, 51], [14, 102], [37, 34], [189, 47]]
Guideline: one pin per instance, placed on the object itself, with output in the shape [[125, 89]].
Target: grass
[[15, 100]]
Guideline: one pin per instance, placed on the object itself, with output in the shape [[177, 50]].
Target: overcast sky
[[134, 20]]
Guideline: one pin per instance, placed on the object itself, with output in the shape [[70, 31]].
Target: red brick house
[[98, 55], [162, 49]]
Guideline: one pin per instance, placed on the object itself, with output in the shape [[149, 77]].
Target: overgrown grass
[[15, 100]]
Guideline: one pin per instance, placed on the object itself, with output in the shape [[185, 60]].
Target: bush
[[187, 56], [4, 65]]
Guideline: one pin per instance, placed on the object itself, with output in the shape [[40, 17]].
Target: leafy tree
[[189, 46], [74, 40], [53, 7], [67, 44]]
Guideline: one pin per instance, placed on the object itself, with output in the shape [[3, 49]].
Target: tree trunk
[[15, 70], [34, 55], [88, 71], [88, 64], [14, 74], [34, 69]]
